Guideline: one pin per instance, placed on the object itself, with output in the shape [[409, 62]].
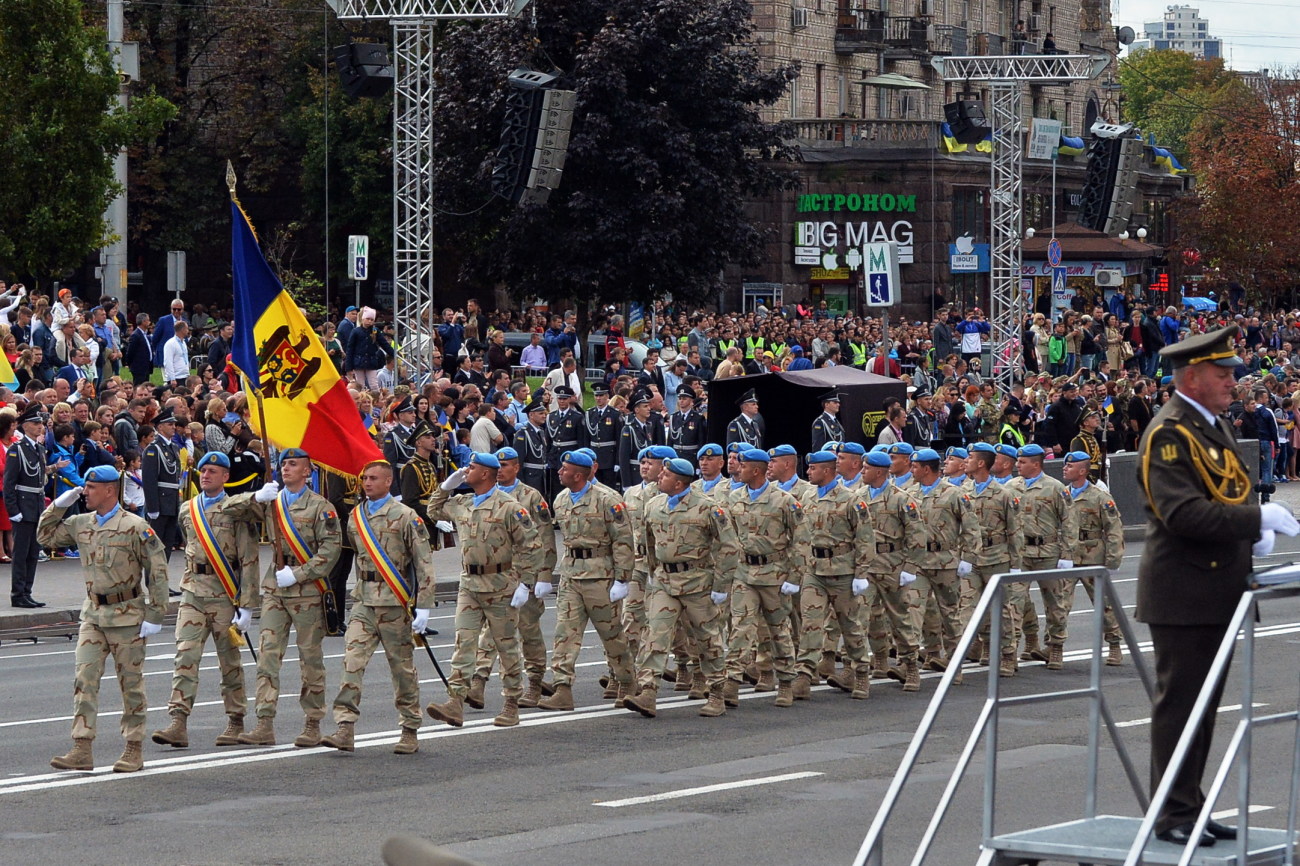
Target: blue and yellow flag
[[1070, 146], [1165, 159], [950, 144]]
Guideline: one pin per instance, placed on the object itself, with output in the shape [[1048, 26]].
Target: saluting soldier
[[533, 446], [1100, 540], [1002, 542], [391, 542], [218, 589], [826, 427], [747, 427], [690, 551], [309, 537], [397, 448], [24, 488], [594, 571], [604, 426], [687, 427], [1086, 441], [498, 542], [162, 482], [636, 436], [1051, 528], [566, 428], [126, 597]]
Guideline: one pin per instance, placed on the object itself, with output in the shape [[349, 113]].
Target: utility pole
[[126, 61]]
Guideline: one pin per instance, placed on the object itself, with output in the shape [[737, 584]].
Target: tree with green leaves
[[668, 145], [1166, 92], [62, 127]]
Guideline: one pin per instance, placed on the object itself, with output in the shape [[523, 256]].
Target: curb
[[52, 616]]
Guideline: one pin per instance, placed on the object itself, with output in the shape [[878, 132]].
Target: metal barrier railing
[[871, 853]]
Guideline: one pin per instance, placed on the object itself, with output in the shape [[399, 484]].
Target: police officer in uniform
[[24, 486], [637, 435], [1200, 533], [567, 429], [604, 425], [161, 473], [397, 448], [747, 427], [687, 428], [533, 445], [827, 427]]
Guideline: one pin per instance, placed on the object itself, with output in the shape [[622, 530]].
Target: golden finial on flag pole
[[231, 180]]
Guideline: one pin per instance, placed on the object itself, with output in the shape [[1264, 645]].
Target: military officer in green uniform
[[306, 528], [126, 596], [218, 589], [391, 542], [998, 513], [1100, 540]]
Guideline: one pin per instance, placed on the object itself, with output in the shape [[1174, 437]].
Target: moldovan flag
[[8, 379], [307, 403]]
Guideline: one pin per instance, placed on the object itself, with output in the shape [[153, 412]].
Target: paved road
[[759, 786]]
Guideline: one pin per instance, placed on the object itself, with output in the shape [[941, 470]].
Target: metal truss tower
[[414, 313], [1007, 77]]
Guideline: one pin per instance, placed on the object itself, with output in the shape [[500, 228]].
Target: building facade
[[1181, 29]]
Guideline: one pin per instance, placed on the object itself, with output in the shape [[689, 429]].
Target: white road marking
[[1133, 723], [708, 789], [1232, 813]]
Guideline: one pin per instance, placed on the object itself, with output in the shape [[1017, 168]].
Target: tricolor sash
[[375, 551], [293, 538], [212, 550]]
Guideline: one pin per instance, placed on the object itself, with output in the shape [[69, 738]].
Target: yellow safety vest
[[778, 349], [751, 344], [859, 355]]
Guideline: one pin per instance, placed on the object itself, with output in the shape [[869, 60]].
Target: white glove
[[243, 619], [788, 588], [1264, 546], [963, 568], [444, 526], [718, 597], [1065, 563], [284, 577], [269, 491], [860, 585], [1277, 517], [454, 480], [542, 589], [906, 577], [152, 515], [149, 629], [16, 518], [618, 591], [521, 595], [420, 620], [67, 498]]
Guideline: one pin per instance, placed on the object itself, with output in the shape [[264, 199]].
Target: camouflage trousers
[[528, 620], [305, 613], [1111, 625], [830, 597], [577, 603], [900, 613], [94, 644], [751, 605], [1058, 600], [941, 626], [368, 627], [196, 620], [685, 651], [702, 620], [478, 612], [635, 620], [972, 587]]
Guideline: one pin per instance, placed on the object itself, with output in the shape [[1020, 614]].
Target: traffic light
[[534, 138]]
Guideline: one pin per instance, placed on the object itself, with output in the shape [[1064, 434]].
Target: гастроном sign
[[825, 243]]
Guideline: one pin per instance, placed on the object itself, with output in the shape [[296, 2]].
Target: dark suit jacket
[[69, 374], [1194, 567], [138, 358]]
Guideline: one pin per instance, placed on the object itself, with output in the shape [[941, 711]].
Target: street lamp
[[1123, 235], [1142, 233], [1029, 232]]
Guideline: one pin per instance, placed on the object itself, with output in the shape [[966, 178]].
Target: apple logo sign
[[965, 245], [830, 261]]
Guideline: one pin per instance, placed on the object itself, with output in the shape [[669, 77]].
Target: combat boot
[[532, 694], [452, 712], [80, 758], [1032, 653], [802, 687], [262, 735], [861, 686], [408, 743], [880, 671], [230, 736], [1007, 667], [766, 681], [1054, 660], [1115, 657], [561, 700], [731, 692], [548, 689], [310, 736], [474, 697], [826, 666], [896, 673], [911, 677], [716, 705], [132, 761], [975, 651], [643, 703], [842, 679], [509, 714], [623, 692], [175, 735], [935, 662], [699, 685], [784, 694], [611, 690], [341, 739], [684, 678], [750, 674]]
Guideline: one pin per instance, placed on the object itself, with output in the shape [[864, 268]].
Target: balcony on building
[[860, 30], [916, 37], [822, 133]]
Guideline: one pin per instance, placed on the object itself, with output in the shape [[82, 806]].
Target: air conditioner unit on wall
[[925, 8], [800, 17], [1108, 278], [1035, 23]]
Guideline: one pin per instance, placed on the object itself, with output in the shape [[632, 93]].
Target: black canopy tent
[[789, 402]]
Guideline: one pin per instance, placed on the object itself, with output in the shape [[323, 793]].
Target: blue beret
[[643, 453], [214, 457], [832, 446], [482, 458], [982, 448], [1078, 457], [821, 457], [589, 453], [783, 451], [1031, 451], [956, 451], [737, 447], [681, 467], [1165, 380], [925, 455], [882, 447], [291, 454], [507, 453], [878, 459], [1007, 450], [105, 474], [661, 452], [713, 449], [853, 448], [577, 458], [903, 448], [755, 455]]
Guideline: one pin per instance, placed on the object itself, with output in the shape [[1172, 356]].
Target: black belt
[[995, 539], [1084, 536], [586, 552], [884, 547], [826, 552], [117, 598], [676, 567], [752, 559], [1035, 540], [368, 576], [491, 568], [640, 550], [934, 546], [206, 568]]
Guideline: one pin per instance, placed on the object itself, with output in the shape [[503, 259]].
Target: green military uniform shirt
[[690, 548], [773, 536], [843, 539], [1049, 525], [1101, 532], [998, 512], [403, 536], [498, 537], [596, 528]]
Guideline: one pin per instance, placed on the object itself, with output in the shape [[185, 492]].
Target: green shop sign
[[856, 203]]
